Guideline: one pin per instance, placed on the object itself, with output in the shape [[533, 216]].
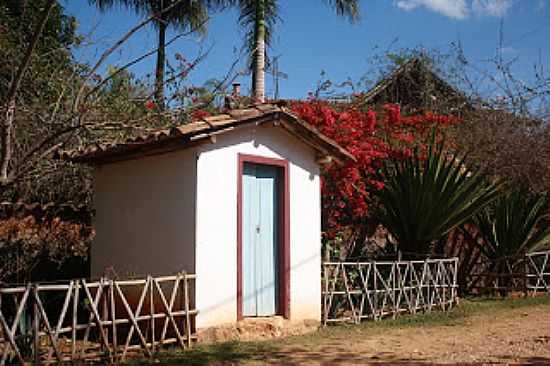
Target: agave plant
[[513, 225], [425, 198]]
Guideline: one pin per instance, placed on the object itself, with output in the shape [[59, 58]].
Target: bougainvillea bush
[[372, 136]]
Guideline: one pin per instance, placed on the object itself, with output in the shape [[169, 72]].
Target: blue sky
[[311, 38]]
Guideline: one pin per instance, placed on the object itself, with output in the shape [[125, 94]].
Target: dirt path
[[518, 336]]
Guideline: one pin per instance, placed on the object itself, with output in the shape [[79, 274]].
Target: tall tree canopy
[[259, 17], [181, 14]]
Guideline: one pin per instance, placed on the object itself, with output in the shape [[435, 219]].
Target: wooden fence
[[102, 320], [371, 290], [538, 273], [528, 274]]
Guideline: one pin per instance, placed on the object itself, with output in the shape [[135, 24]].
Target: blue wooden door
[[260, 238]]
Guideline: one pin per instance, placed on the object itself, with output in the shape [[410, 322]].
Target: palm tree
[[258, 18], [425, 198], [181, 14]]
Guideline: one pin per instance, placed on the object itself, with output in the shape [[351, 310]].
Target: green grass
[[213, 354], [233, 352]]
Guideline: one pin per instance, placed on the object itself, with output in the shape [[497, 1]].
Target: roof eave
[[169, 143]]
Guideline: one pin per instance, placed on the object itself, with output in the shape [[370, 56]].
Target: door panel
[[260, 208], [250, 207]]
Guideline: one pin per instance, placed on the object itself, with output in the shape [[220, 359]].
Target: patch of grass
[[234, 352], [456, 316], [474, 306], [212, 354]]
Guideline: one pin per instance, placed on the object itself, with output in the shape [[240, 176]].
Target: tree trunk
[[161, 62], [258, 72]]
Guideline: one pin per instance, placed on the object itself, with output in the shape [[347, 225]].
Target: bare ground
[[509, 332], [518, 336]]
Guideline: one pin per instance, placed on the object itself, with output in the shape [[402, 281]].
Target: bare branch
[[144, 56]]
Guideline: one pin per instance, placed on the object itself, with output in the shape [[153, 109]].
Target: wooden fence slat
[[132, 318], [526, 273], [152, 315], [61, 317], [386, 288], [186, 306], [74, 320], [96, 315], [93, 303], [138, 311], [46, 322], [113, 320], [170, 307], [15, 324], [170, 316], [11, 340], [96, 338]]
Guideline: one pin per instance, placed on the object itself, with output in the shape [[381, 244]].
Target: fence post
[[455, 282], [152, 312], [186, 305], [375, 302], [74, 320], [113, 319], [325, 294], [393, 289], [525, 273], [36, 328]]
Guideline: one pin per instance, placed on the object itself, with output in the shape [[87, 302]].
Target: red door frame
[[283, 306]]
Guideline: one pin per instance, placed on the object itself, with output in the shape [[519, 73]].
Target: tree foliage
[[349, 190], [184, 15], [53, 52]]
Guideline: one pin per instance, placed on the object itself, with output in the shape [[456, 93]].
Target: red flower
[[199, 114], [371, 120], [345, 189], [150, 105]]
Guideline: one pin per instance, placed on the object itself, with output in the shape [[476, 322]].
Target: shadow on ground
[[263, 353]]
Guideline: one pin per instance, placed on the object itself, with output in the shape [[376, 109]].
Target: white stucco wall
[[175, 211], [216, 231], [145, 215]]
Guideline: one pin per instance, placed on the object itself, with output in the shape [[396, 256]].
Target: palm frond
[[183, 14], [514, 224], [248, 18], [424, 199], [346, 8]]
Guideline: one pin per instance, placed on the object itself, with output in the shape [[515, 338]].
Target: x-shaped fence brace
[[538, 265], [371, 290], [105, 306], [529, 273]]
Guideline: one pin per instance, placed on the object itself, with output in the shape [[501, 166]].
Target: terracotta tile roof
[[187, 135]]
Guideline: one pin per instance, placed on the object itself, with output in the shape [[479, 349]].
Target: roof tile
[[98, 153]]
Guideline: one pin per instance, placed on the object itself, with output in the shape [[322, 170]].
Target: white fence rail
[[538, 272], [526, 273], [353, 291], [103, 320]]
